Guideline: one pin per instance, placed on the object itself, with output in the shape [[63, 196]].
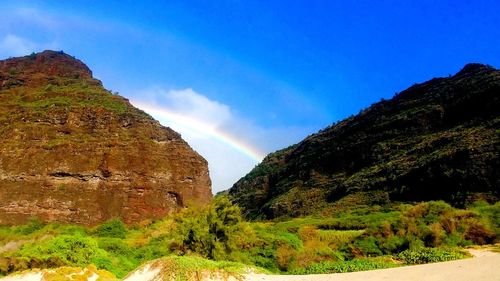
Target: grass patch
[[346, 266], [429, 255]]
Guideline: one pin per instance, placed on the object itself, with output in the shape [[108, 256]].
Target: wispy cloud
[[231, 144], [57, 23], [35, 17], [13, 45], [27, 29]]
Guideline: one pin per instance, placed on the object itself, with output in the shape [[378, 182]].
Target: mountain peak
[[474, 68], [37, 68]]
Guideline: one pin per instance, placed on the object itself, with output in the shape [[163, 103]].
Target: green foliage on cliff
[[114, 228]]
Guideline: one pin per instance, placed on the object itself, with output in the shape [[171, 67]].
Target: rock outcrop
[[439, 140], [71, 151]]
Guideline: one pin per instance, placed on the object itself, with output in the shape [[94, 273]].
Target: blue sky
[[258, 75]]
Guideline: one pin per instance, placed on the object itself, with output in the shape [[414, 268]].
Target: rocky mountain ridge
[[438, 140]]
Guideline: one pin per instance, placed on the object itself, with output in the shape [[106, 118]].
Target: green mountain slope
[[435, 140]]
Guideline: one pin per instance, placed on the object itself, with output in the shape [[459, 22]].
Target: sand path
[[484, 266]]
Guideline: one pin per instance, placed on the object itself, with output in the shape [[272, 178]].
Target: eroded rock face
[[71, 151]]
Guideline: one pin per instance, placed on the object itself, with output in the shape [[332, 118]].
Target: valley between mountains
[[92, 188]]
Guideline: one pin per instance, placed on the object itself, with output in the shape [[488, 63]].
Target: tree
[[213, 231]]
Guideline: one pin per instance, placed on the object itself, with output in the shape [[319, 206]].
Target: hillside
[[438, 140], [71, 151]]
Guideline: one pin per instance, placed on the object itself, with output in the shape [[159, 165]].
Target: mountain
[[439, 140], [71, 151]]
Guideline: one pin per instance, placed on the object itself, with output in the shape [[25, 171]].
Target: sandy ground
[[484, 266]]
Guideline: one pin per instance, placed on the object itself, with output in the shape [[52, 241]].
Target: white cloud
[[53, 23], [12, 45], [197, 106], [230, 143], [35, 17]]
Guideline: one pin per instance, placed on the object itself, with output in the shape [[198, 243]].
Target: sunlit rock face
[[71, 151], [438, 140]]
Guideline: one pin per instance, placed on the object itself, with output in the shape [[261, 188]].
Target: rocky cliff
[[436, 140], [71, 151]]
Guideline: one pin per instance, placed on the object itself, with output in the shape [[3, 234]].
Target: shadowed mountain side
[[435, 140]]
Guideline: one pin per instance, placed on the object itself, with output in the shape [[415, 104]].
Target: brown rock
[[71, 151]]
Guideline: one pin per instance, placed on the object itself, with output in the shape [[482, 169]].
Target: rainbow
[[202, 129]]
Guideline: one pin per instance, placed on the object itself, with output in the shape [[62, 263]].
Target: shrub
[[337, 238], [428, 224], [479, 234], [268, 239], [32, 226], [115, 246], [492, 214], [368, 246], [65, 249], [122, 258], [114, 228], [394, 244], [435, 236], [313, 252], [344, 266], [285, 254], [308, 233], [427, 255], [213, 231]]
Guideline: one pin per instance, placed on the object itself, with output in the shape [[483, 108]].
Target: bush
[[32, 226], [337, 238], [268, 239], [368, 246], [116, 247], [284, 256], [308, 233], [344, 266], [427, 255], [65, 249], [313, 252], [479, 234], [114, 228], [122, 258], [215, 231], [429, 224], [491, 213], [394, 244]]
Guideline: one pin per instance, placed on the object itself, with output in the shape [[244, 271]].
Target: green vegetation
[[417, 146], [215, 237], [427, 255], [76, 273], [346, 266], [214, 232], [65, 93], [189, 267], [114, 228]]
